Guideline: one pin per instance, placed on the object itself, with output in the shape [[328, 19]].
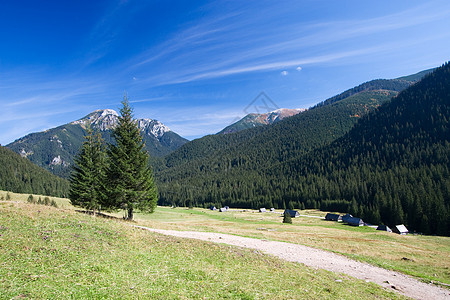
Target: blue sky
[[196, 65]]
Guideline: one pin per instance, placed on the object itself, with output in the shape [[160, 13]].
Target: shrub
[[287, 218]]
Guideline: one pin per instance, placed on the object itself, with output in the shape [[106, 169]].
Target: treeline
[[19, 175], [391, 168]]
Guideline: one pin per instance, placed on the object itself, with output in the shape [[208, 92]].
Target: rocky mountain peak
[[106, 119], [103, 119], [259, 119]]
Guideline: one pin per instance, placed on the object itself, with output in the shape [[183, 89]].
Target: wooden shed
[[333, 217], [384, 228], [355, 221], [346, 217], [293, 213], [400, 229]]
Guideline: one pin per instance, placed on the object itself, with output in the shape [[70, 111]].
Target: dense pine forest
[[19, 175], [391, 168]]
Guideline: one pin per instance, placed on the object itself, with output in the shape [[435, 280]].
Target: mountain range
[[54, 149]]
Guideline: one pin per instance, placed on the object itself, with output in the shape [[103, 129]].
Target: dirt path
[[324, 260]]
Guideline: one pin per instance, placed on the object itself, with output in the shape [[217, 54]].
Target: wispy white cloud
[[232, 44], [273, 65]]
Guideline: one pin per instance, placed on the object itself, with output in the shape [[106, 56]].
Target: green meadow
[[424, 257], [60, 253]]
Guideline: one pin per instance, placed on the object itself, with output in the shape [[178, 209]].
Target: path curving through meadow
[[322, 259]]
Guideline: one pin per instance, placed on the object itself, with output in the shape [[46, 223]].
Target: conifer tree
[[87, 179], [130, 179], [287, 217]]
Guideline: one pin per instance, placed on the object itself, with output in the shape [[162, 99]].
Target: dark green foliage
[[8, 196], [229, 169], [19, 175], [129, 177], [392, 167], [88, 177], [30, 199], [287, 218]]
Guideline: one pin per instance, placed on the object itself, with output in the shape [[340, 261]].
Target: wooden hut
[[400, 229], [355, 221], [346, 217], [333, 217], [384, 228], [293, 213]]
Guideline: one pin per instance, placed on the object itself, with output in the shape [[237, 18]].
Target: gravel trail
[[317, 258]]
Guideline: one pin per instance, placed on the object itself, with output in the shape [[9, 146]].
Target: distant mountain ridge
[[394, 85], [54, 149], [255, 119]]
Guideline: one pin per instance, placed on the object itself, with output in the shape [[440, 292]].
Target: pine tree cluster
[[115, 176]]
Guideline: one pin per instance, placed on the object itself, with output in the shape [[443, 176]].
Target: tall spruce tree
[[87, 188], [130, 179]]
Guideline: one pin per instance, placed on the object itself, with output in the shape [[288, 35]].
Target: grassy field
[[425, 257], [58, 253]]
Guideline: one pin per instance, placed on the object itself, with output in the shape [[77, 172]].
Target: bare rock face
[[102, 119], [107, 119]]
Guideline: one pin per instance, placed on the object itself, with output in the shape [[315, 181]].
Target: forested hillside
[[391, 168], [224, 168], [290, 137], [19, 175]]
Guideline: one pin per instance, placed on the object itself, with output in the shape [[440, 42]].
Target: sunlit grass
[[50, 253], [426, 257]]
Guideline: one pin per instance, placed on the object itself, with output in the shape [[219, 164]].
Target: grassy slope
[[427, 257], [58, 253]]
